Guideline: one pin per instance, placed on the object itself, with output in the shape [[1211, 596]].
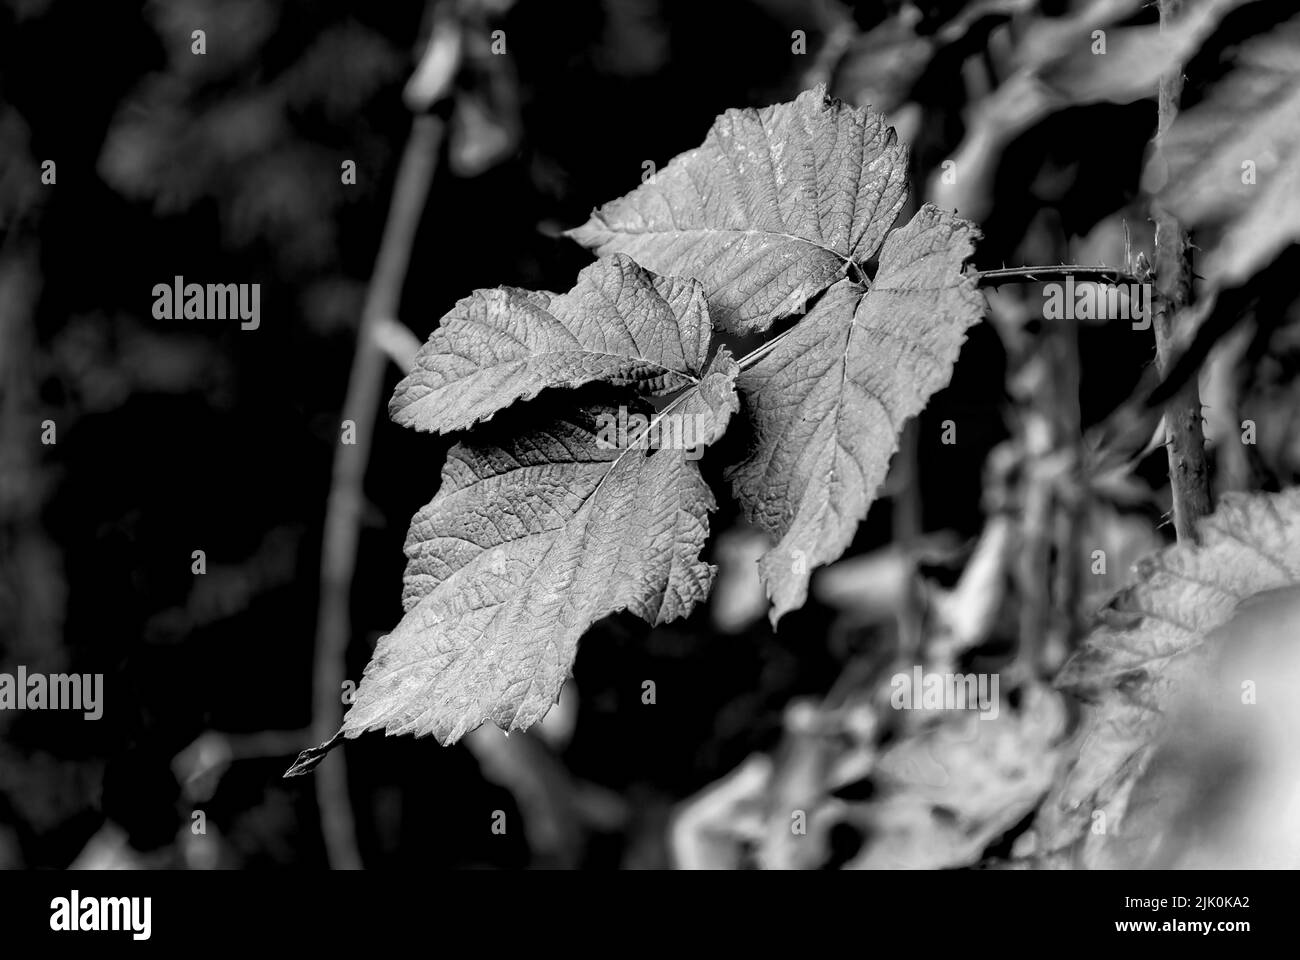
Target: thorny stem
[[1188, 470], [1098, 273], [1086, 274]]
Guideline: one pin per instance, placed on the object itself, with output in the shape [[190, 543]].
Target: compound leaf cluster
[[536, 533]]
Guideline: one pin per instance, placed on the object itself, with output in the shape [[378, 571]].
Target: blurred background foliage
[[182, 435]]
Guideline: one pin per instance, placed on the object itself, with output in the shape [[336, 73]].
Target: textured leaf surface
[[1152, 640], [830, 399], [619, 324], [769, 211], [1249, 117], [530, 540]]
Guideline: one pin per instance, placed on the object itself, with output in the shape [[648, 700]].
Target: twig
[[343, 513], [1188, 470]]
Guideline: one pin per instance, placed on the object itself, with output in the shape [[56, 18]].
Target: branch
[[343, 513], [1185, 443], [993, 278]]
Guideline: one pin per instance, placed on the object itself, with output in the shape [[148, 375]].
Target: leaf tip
[[310, 758]]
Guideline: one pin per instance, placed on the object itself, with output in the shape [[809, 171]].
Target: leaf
[[620, 324], [951, 788], [1150, 644], [768, 211], [1130, 64], [1248, 118], [1220, 789], [529, 541], [1057, 63], [830, 399]]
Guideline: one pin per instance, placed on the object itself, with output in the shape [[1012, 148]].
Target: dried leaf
[[1233, 161]]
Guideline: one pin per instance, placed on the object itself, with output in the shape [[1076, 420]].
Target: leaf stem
[[1099, 273], [758, 353]]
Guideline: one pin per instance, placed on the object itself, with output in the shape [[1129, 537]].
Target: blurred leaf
[[234, 32], [737, 600], [1233, 161], [881, 66], [1054, 63], [223, 131], [1134, 58], [950, 791], [1249, 544], [1150, 643], [1222, 790], [434, 77], [480, 137]]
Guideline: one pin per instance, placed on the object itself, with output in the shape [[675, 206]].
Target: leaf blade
[[619, 323], [830, 400], [769, 211], [530, 540]]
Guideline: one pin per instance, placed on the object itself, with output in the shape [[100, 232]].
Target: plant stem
[[1098, 273], [1188, 469], [1086, 274], [343, 513]]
